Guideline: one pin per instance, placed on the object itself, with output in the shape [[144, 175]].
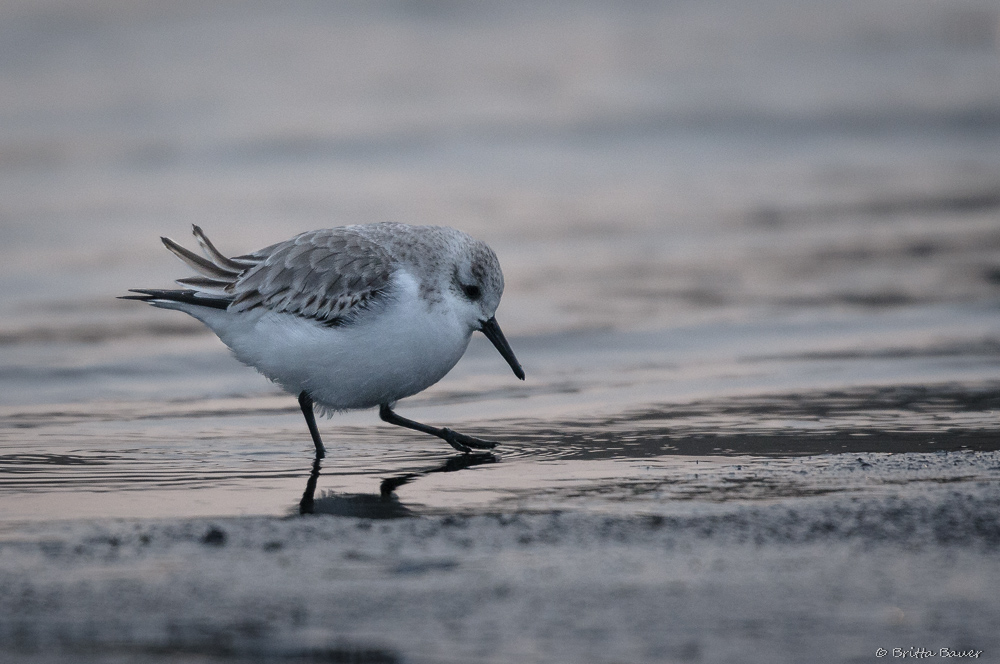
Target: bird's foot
[[466, 444]]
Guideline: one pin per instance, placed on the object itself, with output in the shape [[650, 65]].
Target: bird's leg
[[306, 504], [454, 463], [306, 404], [459, 441]]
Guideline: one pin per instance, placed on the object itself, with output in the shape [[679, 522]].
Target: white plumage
[[349, 317]]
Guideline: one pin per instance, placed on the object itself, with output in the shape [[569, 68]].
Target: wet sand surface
[[728, 521], [821, 578], [752, 257]]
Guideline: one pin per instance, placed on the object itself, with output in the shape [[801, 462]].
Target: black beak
[[492, 331]]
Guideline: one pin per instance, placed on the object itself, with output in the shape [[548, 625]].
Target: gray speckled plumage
[[325, 275], [333, 275]]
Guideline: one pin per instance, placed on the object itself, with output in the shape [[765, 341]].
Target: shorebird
[[349, 317]]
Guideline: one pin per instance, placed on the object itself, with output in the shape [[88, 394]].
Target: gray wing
[[328, 275]]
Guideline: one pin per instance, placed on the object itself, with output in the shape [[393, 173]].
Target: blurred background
[[635, 164], [679, 193]]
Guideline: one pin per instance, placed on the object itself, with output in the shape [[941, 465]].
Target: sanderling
[[349, 317]]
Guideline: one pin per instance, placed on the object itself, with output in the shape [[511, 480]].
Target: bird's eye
[[471, 291]]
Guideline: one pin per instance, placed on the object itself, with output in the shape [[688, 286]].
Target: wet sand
[[760, 528], [822, 558]]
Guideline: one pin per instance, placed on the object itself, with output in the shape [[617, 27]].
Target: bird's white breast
[[397, 350]]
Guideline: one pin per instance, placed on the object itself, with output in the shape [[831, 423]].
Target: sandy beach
[[879, 551]]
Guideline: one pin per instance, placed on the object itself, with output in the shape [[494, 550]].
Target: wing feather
[[221, 260], [207, 285], [329, 275], [196, 262]]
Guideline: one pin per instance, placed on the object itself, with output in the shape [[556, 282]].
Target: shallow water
[[600, 408]]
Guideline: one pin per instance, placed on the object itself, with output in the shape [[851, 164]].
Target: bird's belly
[[381, 358]]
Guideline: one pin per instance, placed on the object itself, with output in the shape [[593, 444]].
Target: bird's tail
[[168, 298], [212, 288]]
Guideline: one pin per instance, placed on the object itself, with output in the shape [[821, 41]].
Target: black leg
[[457, 462], [306, 504], [306, 404], [459, 441]]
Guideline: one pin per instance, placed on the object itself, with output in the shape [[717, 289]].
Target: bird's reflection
[[385, 504], [457, 462]]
